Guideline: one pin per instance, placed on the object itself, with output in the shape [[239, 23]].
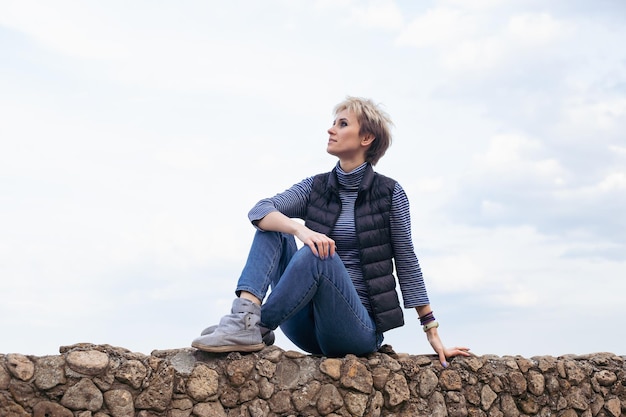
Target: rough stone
[[606, 378], [332, 368], [304, 397], [355, 375], [456, 405], [614, 407], [451, 380], [287, 375], [397, 390], [248, 391], [10, 408], [91, 362], [50, 409], [132, 372], [23, 392], [518, 383], [49, 372], [84, 395], [272, 383], [487, 397], [20, 366], [212, 409], [202, 383], [5, 377], [329, 399], [437, 405], [239, 370], [158, 394], [356, 403], [536, 383], [280, 402], [120, 403], [427, 383]]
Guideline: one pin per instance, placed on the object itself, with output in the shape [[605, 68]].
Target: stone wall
[[100, 380]]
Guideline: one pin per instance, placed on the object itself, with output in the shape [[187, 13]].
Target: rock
[[158, 394], [356, 403], [50, 409], [536, 383], [104, 381], [304, 397], [132, 372], [49, 372], [329, 399], [487, 397], [451, 380], [397, 390], [120, 403], [83, 396], [212, 409], [355, 375], [280, 403], [91, 362], [20, 366], [202, 383], [332, 368]]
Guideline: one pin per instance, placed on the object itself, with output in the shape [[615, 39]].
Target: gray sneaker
[[266, 334], [237, 332]]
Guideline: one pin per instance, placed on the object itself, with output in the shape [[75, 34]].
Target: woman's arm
[[435, 341], [410, 274], [277, 214]]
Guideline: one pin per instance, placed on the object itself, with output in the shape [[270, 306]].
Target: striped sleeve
[[291, 202], [408, 269]]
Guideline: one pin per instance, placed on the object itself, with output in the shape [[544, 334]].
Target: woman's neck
[[350, 165]]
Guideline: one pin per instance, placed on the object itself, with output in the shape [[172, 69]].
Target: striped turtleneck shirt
[[293, 203]]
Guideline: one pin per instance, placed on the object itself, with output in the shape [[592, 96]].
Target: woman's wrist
[[430, 325]]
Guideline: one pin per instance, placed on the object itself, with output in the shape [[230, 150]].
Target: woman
[[336, 295]]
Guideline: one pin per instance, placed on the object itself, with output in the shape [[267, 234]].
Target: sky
[[135, 136]]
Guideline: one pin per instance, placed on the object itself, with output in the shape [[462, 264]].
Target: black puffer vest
[[372, 212]]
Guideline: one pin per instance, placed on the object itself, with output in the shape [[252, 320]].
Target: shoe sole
[[230, 348]]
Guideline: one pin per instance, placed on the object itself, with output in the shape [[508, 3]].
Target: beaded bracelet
[[431, 325], [427, 318]]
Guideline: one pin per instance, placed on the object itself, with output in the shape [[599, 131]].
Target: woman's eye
[[343, 124]]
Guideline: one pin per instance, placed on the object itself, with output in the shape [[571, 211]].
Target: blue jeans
[[313, 300]]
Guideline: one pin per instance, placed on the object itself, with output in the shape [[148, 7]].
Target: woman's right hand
[[320, 244]]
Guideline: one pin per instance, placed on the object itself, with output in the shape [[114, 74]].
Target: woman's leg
[[239, 331], [269, 255], [317, 307], [313, 301]]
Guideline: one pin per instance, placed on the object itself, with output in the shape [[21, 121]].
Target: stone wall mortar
[[88, 380]]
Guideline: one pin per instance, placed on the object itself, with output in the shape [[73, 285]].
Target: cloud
[[383, 14], [439, 27], [139, 136], [469, 42], [521, 181]]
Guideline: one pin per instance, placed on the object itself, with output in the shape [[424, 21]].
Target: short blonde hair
[[373, 120]]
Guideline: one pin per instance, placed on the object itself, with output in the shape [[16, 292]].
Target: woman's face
[[344, 140]]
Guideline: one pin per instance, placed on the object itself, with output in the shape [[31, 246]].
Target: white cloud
[[603, 114], [516, 156], [535, 29], [439, 27], [136, 138], [469, 41], [382, 14], [615, 181]]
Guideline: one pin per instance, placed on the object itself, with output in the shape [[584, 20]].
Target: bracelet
[[427, 318], [431, 325]]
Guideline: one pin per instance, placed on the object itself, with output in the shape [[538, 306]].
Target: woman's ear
[[367, 139]]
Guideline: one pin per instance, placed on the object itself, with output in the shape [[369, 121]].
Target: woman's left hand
[[442, 351]]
